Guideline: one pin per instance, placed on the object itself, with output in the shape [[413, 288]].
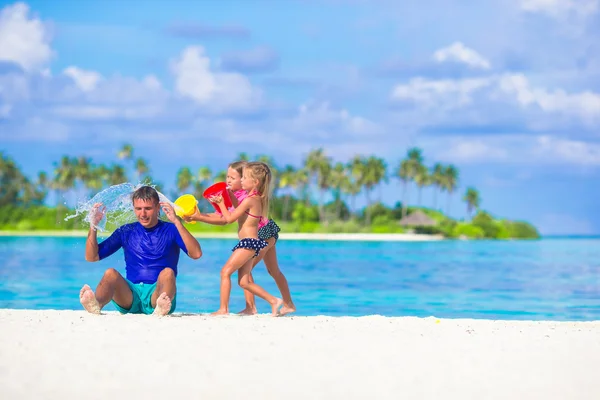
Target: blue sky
[[507, 90]]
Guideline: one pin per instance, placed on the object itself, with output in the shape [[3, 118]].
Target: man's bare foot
[[220, 311], [287, 309], [248, 311], [276, 306], [87, 298], [163, 305]]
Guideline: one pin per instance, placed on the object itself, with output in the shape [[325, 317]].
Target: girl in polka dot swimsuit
[[255, 181], [267, 231]]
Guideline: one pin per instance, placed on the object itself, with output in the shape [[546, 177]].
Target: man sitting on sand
[[151, 248]]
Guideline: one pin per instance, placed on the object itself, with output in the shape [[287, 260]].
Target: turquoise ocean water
[[548, 279]]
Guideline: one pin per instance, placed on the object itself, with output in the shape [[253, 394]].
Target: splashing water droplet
[[117, 200]]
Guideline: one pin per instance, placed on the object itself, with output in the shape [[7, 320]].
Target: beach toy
[[218, 188], [186, 206]]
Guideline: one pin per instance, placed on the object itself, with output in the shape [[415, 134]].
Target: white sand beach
[[74, 355]]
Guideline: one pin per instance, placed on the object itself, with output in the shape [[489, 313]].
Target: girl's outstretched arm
[[237, 213], [212, 218]]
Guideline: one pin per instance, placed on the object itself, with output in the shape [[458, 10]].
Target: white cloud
[[516, 149], [320, 120], [97, 112], [23, 40], [452, 93], [85, 80], [292, 136], [97, 98], [215, 90], [559, 8], [568, 151], [460, 53], [585, 104], [38, 129]]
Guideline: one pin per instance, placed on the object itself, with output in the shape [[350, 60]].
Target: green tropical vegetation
[[318, 196]]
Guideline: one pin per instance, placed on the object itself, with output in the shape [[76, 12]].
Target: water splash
[[117, 200]]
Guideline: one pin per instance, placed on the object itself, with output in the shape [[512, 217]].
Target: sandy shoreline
[[284, 236], [71, 354]]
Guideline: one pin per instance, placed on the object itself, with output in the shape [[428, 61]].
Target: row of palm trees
[[339, 181]]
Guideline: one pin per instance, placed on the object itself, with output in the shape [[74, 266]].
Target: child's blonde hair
[[238, 166], [262, 173]]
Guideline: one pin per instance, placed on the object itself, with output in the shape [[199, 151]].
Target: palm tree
[[437, 180], [379, 173], [204, 175], [357, 170], [301, 182], [286, 180], [338, 181], [141, 168], [472, 199], [374, 174], [404, 173], [221, 176], [117, 175], [97, 178], [415, 155], [450, 182], [42, 184], [185, 178], [126, 152], [64, 177], [243, 157], [422, 179], [318, 166], [407, 172]]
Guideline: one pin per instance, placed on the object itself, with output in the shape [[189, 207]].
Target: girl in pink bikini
[[267, 231]]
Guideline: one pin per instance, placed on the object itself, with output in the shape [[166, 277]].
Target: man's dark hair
[[146, 193]]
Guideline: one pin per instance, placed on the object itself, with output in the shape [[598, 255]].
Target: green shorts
[[142, 299]]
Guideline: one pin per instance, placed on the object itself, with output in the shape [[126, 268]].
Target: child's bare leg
[[245, 283], [270, 259], [235, 262], [249, 297], [250, 301]]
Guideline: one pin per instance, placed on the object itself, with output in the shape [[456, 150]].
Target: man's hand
[[169, 212], [97, 213]]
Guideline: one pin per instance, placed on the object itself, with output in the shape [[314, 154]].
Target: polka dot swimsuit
[[270, 230], [251, 244]]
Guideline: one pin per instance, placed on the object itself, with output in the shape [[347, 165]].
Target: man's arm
[[91, 246], [191, 244]]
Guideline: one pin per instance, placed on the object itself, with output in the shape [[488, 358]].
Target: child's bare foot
[[287, 309], [87, 298], [248, 311], [163, 305], [220, 311], [276, 306]]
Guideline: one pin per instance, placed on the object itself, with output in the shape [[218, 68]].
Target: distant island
[[298, 203]]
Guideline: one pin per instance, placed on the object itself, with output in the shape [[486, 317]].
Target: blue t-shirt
[[147, 251]]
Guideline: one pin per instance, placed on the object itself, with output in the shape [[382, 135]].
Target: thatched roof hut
[[418, 218]]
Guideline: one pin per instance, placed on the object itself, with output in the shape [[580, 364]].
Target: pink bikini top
[[240, 195]]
